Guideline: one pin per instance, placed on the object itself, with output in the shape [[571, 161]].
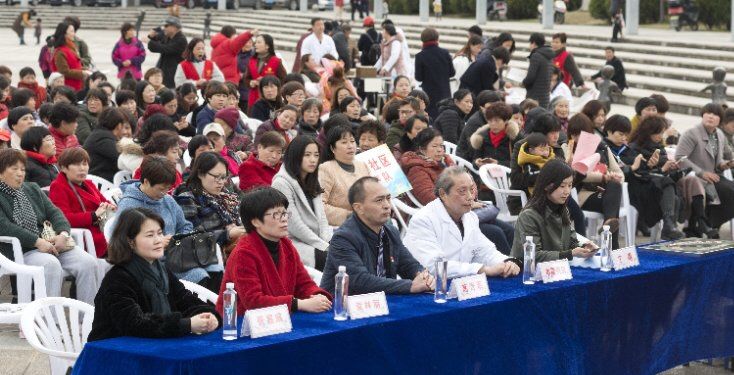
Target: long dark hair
[[139, 88], [202, 165], [649, 126], [60, 34], [293, 160], [129, 223], [271, 44], [188, 53], [549, 179]]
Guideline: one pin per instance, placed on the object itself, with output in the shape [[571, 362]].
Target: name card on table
[[367, 305], [625, 258], [469, 287], [266, 321], [556, 270]]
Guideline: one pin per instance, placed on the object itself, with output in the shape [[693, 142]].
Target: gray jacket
[[537, 82], [694, 144], [307, 229]]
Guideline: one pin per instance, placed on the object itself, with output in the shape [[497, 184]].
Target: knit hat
[[16, 114], [229, 116], [54, 76], [213, 128]]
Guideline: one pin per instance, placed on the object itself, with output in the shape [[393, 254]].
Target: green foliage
[[649, 10], [600, 9], [714, 12], [522, 9]]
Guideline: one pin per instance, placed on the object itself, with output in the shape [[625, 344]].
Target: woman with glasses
[[260, 168], [206, 203], [40, 148], [265, 267], [95, 101]]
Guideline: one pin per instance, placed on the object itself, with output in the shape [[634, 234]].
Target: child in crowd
[[437, 9], [533, 155], [370, 135], [38, 31], [28, 81]]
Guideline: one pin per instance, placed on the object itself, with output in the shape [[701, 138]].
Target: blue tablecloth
[[670, 310]]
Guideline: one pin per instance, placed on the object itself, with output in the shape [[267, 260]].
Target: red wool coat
[[39, 91], [422, 175], [224, 54], [254, 173], [259, 282], [64, 198]]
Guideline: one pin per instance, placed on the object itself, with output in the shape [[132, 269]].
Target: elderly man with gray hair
[[447, 227]]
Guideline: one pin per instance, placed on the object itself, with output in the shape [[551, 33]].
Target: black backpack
[[374, 52]]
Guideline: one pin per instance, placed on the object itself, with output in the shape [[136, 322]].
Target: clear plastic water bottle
[[341, 292], [606, 249], [441, 282], [528, 270], [229, 308]]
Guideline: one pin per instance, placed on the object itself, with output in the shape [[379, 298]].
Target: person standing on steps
[[170, 42]]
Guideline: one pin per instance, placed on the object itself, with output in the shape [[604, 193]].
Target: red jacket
[[422, 175], [254, 173], [224, 54], [64, 198], [63, 141], [259, 282], [40, 92]]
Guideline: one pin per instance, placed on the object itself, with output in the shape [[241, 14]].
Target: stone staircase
[[678, 69]]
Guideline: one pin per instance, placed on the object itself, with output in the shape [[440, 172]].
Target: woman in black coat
[[102, 142], [433, 68], [40, 148], [139, 297], [492, 143], [452, 115]]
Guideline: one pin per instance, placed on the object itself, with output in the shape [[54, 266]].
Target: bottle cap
[[230, 285], [605, 227], [342, 268], [528, 238]]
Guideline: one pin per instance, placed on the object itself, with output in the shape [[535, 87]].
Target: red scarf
[[43, 159], [495, 139], [431, 43]]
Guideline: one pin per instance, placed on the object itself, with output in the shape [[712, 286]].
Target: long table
[[670, 310]]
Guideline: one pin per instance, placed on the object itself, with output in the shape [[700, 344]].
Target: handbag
[[191, 250], [487, 214], [48, 233]]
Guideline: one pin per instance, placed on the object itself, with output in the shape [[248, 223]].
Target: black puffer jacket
[[450, 121], [537, 82]]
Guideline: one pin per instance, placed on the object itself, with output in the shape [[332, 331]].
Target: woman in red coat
[[260, 168], [66, 57], [425, 164], [265, 267], [225, 47], [78, 198], [262, 64]]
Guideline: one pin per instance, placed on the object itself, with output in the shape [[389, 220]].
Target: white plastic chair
[[627, 217], [458, 160], [401, 208], [109, 226], [413, 199], [495, 177], [253, 124], [450, 148], [187, 159], [113, 195], [236, 181], [30, 281], [204, 294], [102, 184], [83, 238], [58, 327], [314, 274], [121, 177]]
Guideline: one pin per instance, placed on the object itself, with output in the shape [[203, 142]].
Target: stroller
[[682, 13]]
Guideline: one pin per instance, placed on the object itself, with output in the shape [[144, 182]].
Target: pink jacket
[[133, 51]]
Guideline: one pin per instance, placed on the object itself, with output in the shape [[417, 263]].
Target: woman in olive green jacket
[[547, 220]]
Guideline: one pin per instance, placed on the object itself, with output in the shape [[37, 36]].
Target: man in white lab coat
[[447, 227]]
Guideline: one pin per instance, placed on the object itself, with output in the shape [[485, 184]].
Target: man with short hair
[[318, 44], [63, 126], [170, 42], [537, 82], [619, 77], [564, 61], [448, 227], [484, 73], [371, 248]]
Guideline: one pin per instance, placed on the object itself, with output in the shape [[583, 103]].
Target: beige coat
[[336, 183]]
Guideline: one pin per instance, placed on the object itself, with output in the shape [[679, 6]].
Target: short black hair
[[21, 97], [66, 91], [196, 142], [609, 48], [63, 112], [44, 111], [617, 123], [228, 31], [201, 166], [166, 95], [98, 94], [425, 137], [333, 136], [475, 30], [579, 123], [316, 19], [420, 95], [16, 114], [560, 36], [411, 121], [356, 191], [160, 143], [661, 103], [111, 117], [27, 71], [157, 170], [501, 53], [154, 123], [535, 139], [643, 103], [716, 109], [122, 96], [255, 203], [538, 39], [546, 123], [372, 127], [293, 160], [33, 138], [728, 116], [488, 96], [294, 77]]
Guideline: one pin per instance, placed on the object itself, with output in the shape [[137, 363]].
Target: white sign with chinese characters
[[469, 287], [625, 258], [384, 167], [266, 321], [367, 305], [555, 270]]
